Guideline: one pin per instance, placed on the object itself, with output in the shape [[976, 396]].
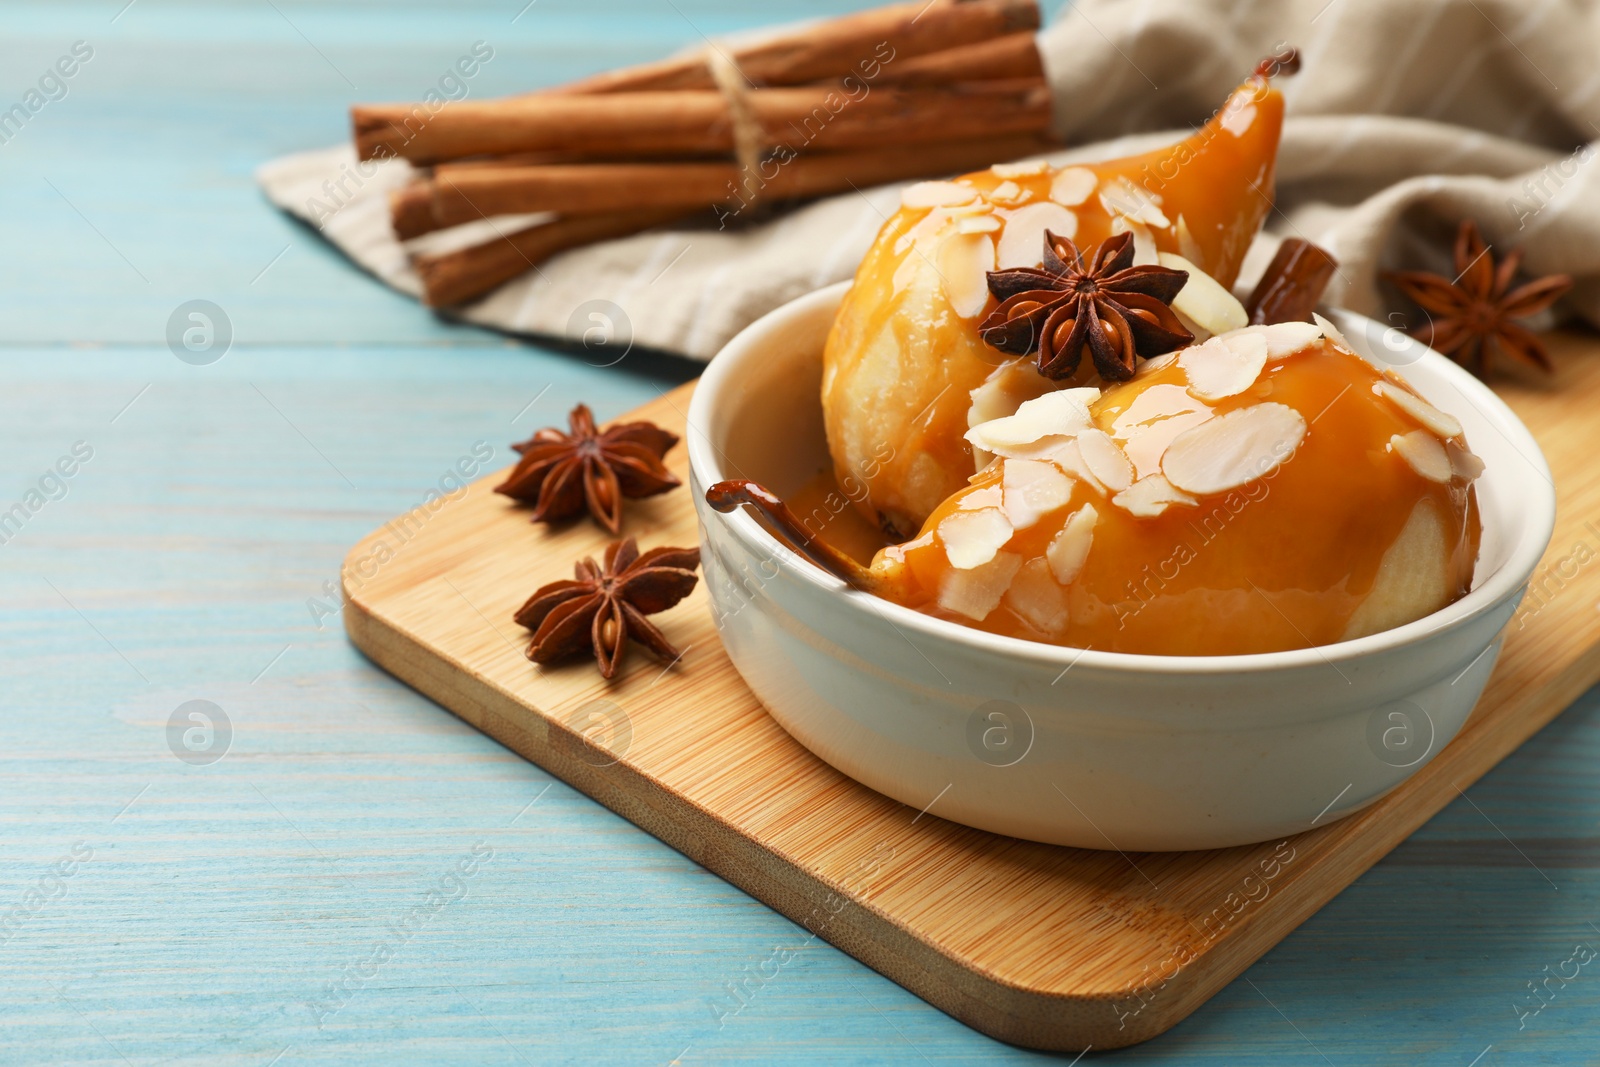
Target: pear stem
[[1285, 63], [782, 523]]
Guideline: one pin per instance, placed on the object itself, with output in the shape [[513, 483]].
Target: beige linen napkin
[[1407, 115]]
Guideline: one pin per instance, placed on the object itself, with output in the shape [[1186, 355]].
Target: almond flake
[[978, 224], [1187, 245], [1464, 464], [1006, 192], [1144, 242], [1065, 453], [1224, 366], [1123, 197], [1045, 448], [1424, 453], [965, 260], [1061, 413], [1023, 168], [971, 538], [1150, 496], [936, 194], [977, 207], [987, 497], [1150, 366], [1204, 300], [1331, 332], [1072, 186], [1233, 449], [1007, 388], [1033, 488], [1287, 338], [1022, 245], [1106, 460], [1446, 426], [1070, 548], [1037, 599], [975, 593]]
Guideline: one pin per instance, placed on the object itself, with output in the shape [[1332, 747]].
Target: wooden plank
[[1037, 945]]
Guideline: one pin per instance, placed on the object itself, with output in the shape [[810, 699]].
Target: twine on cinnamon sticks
[[749, 139], [911, 90]]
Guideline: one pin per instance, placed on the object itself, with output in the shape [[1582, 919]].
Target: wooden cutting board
[[1037, 945]]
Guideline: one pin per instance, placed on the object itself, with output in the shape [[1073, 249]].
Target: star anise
[[606, 605], [562, 473], [1112, 308], [1470, 318]]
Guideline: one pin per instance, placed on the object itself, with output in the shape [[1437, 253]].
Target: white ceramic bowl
[[1084, 748]]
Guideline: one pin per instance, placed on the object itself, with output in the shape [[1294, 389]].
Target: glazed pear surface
[[905, 368], [1263, 491]]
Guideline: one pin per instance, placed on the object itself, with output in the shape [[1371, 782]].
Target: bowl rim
[[1530, 539]]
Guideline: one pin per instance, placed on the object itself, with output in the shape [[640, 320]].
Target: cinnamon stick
[[581, 156], [697, 121], [784, 524], [1292, 284], [456, 277], [1014, 56], [862, 44], [411, 210], [461, 193]]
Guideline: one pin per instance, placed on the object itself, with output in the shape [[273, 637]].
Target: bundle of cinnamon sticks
[[910, 90]]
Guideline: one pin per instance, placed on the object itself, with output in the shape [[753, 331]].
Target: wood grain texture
[[1039, 946], [222, 899]]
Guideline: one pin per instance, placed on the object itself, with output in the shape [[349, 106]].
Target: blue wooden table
[[361, 878]]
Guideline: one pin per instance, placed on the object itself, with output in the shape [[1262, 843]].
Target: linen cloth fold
[[1406, 116]]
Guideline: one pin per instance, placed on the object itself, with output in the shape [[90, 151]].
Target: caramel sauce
[[1279, 563], [825, 510]]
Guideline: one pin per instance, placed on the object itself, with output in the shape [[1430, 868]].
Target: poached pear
[[905, 367], [1262, 491]]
